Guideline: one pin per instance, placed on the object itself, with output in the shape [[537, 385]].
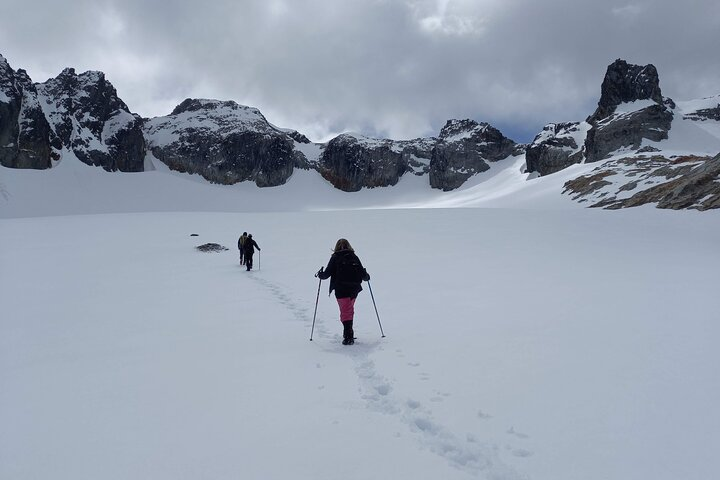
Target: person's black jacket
[[248, 246], [343, 287]]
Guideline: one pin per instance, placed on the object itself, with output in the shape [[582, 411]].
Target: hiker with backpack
[[249, 247], [346, 274], [241, 247]]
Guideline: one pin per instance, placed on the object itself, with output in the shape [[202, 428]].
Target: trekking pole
[[317, 298], [259, 259], [374, 305]]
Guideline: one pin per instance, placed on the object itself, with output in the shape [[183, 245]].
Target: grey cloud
[[381, 67]]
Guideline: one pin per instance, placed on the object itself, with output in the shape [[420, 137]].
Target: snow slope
[[73, 188]]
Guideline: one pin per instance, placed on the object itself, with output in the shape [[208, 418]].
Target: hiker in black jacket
[[346, 274], [241, 243], [249, 247]]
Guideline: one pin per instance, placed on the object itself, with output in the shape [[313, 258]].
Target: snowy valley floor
[[545, 344]]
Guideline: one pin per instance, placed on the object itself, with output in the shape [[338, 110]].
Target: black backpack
[[350, 270]]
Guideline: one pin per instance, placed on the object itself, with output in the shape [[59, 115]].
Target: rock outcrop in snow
[[675, 183], [351, 162], [224, 142], [558, 146], [703, 109], [626, 83], [626, 136], [631, 109], [464, 149], [627, 129]]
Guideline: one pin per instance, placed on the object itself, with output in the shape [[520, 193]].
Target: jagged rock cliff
[[224, 142], [558, 146], [25, 135], [87, 115], [627, 130], [626, 83], [81, 113], [631, 109], [351, 162], [464, 149]]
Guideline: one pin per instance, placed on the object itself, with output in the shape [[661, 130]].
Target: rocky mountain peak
[[464, 148], [625, 83], [224, 142], [198, 104], [7, 77], [86, 115], [25, 134], [23, 78], [89, 90], [461, 128]]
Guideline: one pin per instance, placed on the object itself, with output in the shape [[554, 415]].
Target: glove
[[322, 269]]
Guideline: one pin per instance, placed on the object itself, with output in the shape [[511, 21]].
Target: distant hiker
[[249, 247], [346, 274], [241, 243]]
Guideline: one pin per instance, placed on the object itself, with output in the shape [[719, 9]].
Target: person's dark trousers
[[248, 261], [348, 333]]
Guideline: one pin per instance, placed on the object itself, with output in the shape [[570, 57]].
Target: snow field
[[520, 344]]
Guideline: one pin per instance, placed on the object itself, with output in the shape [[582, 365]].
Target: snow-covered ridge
[[226, 142], [565, 135], [460, 130], [692, 106], [203, 115]]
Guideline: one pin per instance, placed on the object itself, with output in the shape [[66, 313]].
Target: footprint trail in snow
[[380, 395]]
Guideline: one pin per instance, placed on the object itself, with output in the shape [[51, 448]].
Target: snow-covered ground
[[532, 340]]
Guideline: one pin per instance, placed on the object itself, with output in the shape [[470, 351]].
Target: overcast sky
[[386, 68]]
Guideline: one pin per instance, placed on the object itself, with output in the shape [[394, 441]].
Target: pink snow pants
[[347, 308]]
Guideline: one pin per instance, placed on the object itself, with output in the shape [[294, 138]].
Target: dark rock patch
[[211, 247]]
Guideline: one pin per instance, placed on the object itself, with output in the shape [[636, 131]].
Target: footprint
[[425, 425], [517, 434], [483, 415], [521, 452], [383, 389]]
